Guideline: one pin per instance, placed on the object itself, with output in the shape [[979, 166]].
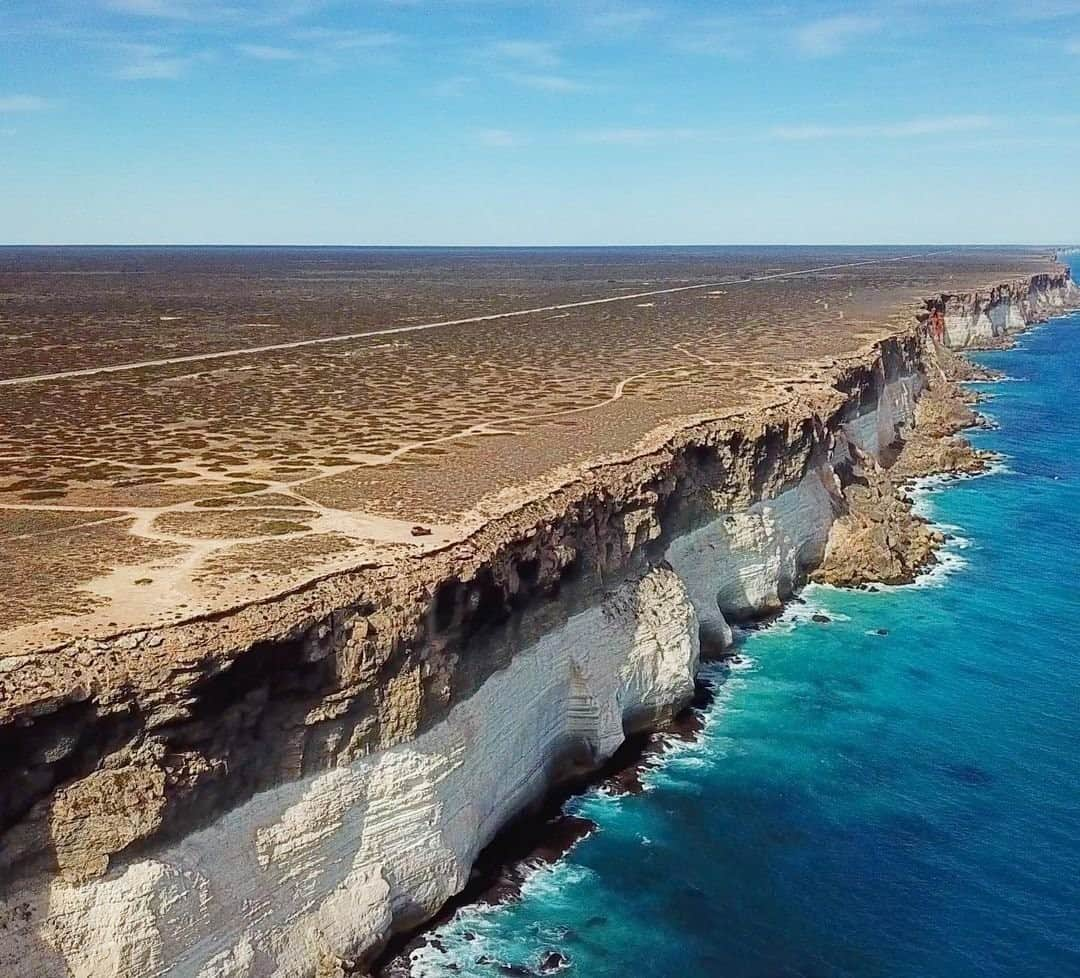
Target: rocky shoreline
[[934, 447], [880, 540], [283, 789], [545, 835]]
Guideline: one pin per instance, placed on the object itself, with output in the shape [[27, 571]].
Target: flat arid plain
[[190, 430]]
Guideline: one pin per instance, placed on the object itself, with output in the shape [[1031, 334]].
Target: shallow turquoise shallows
[[901, 804]]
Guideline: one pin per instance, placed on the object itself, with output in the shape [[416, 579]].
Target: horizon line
[[639, 244]]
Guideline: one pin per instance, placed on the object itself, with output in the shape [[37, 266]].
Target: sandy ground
[[188, 431]]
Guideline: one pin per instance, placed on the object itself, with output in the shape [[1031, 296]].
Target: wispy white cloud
[[618, 18], [168, 9], [833, 35], [546, 82], [719, 36], [929, 126], [452, 87], [150, 62], [23, 103], [240, 13], [348, 40], [716, 44], [536, 54], [1043, 9], [650, 136], [268, 52], [531, 64], [149, 8], [330, 48], [501, 138], [635, 136], [326, 48]]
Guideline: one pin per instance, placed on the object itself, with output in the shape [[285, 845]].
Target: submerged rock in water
[[554, 961], [970, 774], [519, 971]]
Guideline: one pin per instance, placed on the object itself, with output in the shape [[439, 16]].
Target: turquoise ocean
[[895, 792]]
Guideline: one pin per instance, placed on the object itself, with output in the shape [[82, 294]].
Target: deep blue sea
[[903, 805]]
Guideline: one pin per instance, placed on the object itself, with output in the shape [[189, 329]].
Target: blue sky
[[549, 122]]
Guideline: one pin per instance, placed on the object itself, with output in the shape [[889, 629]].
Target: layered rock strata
[[984, 320], [277, 790]]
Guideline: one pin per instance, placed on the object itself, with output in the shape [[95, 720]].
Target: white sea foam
[[690, 761], [949, 562], [547, 882], [680, 763], [803, 610], [554, 880], [741, 663]]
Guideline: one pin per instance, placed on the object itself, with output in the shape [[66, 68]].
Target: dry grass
[[228, 475]]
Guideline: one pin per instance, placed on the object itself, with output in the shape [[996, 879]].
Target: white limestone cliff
[[331, 861], [988, 319]]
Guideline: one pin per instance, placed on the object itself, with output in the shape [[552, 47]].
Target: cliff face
[[279, 793], [985, 319]]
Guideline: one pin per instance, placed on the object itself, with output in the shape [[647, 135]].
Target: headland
[[321, 568]]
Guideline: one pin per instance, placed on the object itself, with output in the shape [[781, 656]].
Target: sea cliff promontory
[[277, 787]]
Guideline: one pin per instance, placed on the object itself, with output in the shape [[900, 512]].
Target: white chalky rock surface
[[746, 563], [326, 863]]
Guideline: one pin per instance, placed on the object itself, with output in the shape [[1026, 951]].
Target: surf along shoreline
[[544, 835]]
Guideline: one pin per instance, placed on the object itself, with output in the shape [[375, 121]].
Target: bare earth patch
[[152, 494]]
